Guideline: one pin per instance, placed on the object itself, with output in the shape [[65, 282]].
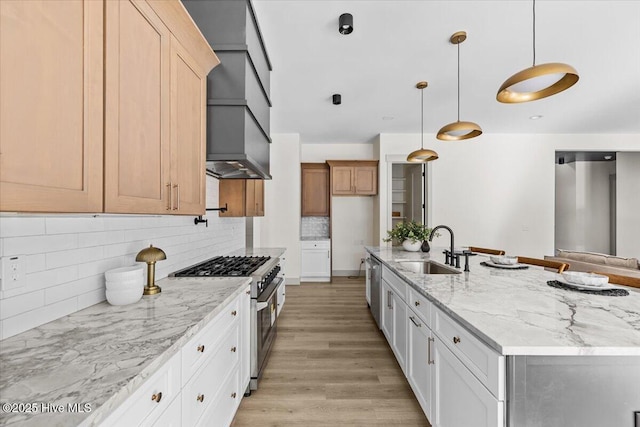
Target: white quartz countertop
[[272, 252], [102, 354], [517, 313]]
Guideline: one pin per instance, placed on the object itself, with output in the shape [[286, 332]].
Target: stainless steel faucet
[[433, 232]]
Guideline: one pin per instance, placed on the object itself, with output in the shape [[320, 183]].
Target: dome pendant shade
[[458, 131], [537, 82], [422, 155]]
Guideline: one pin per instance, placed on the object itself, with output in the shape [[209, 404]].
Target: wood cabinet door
[[342, 180], [315, 191], [259, 197], [51, 108], [137, 140], [455, 387], [188, 131], [232, 192], [251, 205], [419, 370], [366, 180]]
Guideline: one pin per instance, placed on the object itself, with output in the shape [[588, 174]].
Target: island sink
[[426, 267]]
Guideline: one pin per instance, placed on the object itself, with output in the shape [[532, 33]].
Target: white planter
[[411, 247]]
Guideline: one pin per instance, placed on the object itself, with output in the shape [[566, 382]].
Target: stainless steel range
[[264, 299]]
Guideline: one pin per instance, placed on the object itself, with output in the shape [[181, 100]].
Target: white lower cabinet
[[459, 399], [458, 384], [315, 262], [203, 383], [419, 362]]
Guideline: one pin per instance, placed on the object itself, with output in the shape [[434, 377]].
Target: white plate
[[590, 287], [505, 266]]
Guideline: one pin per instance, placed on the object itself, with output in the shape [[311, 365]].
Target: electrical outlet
[[13, 272]]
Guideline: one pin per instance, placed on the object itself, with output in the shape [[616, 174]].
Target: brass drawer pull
[[248, 292], [200, 398], [234, 313], [417, 303], [156, 397], [456, 340], [170, 197], [233, 349], [201, 348], [429, 360], [233, 395], [414, 321]]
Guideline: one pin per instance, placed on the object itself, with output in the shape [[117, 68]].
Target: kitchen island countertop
[[102, 354], [516, 313]]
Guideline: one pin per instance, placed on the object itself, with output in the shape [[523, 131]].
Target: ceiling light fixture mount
[[345, 24], [537, 81], [458, 131], [422, 155], [337, 99]]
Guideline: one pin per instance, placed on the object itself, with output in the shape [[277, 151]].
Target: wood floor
[[330, 366]]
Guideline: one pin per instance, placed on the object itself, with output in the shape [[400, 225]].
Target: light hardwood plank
[[330, 366]]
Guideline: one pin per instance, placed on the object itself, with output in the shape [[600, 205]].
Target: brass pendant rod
[[422, 119], [534, 33], [458, 81]]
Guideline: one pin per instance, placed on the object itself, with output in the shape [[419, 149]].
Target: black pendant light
[[345, 24]]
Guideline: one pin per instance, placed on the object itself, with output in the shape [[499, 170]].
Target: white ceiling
[[397, 43]]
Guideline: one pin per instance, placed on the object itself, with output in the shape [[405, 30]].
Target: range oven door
[[266, 316]]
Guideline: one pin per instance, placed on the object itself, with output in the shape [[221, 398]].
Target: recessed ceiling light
[[535, 117], [608, 157], [387, 118]]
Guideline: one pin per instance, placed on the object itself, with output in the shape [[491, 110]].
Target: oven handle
[[261, 305]]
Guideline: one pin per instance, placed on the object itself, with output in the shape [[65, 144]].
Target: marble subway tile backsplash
[[65, 256], [314, 226]]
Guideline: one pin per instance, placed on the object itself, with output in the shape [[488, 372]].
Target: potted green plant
[[411, 234]]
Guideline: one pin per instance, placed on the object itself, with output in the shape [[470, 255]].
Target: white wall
[[280, 226], [628, 204], [497, 190], [66, 256], [352, 218]]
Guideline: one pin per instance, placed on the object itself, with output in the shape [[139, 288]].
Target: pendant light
[[458, 131], [422, 155], [538, 81]]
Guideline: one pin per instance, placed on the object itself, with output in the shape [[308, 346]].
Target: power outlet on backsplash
[[13, 272]]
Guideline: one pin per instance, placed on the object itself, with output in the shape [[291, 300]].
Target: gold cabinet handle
[[233, 395], [201, 348], [200, 398], [170, 197], [156, 397], [429, 360], [177, 187], [233, 349], [417, 303], [234, 313], [456, 340]]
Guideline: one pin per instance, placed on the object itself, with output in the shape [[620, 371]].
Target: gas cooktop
[[224, 266]]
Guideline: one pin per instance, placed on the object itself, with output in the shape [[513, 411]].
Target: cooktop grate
[[222, 266]]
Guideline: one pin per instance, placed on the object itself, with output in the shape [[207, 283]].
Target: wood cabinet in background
[[354, 177], [51, 64], [64, 66], [315, 189], [243, 197]]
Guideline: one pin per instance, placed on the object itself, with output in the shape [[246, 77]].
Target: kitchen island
[[537, 355]]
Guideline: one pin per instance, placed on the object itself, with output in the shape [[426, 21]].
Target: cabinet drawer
[[220, 413], [420, 305], [172, 417], [151, 399], [398, 285], [483, 362], [201, 391], [315, 244], [206, 342]]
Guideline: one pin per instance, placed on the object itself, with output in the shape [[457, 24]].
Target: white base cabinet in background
[[203, 383], [315, 261]]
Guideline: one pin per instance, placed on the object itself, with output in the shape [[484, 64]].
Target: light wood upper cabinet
[[51, 63], [315, 189], [354, 177], [243, 197]]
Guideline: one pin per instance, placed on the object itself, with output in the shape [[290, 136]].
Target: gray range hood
[[238, 101]]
